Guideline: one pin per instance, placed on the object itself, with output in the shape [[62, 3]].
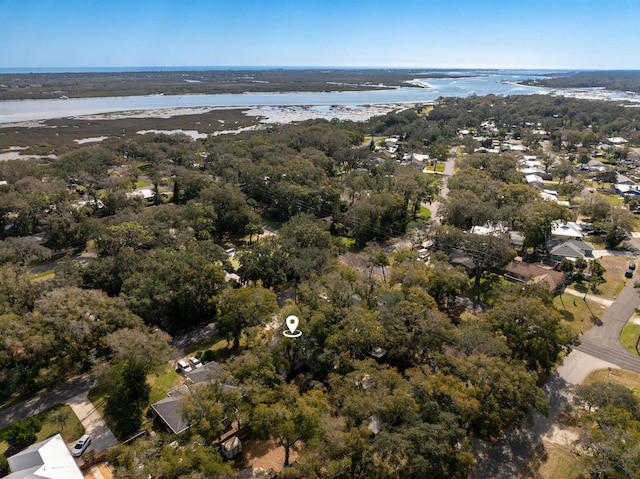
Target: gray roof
[[208, 372], [170, 411], [170, 408], [570, 248]]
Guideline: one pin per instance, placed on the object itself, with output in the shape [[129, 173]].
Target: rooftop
[[49, 459]]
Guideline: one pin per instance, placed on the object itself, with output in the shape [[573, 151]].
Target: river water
[[498, 83]]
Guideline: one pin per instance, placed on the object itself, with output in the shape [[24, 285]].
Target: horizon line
[[160, 68]]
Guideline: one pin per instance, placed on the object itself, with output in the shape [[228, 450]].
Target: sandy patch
[[264, 454], [195, 134], [561, 436], [155, 113], [91, 140], [289, 114], [15, 155], [100, 471]]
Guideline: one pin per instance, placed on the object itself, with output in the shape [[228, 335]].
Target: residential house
[[571, 249], [545, 195], [494, 229], [595, 165], [534, 180], [521, 272], [624, 180], [566, 230], [146, 193], [627, 190], [48, 459], [169, 409]]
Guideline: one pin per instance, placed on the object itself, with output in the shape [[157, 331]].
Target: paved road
[[603, 340], [504, 458], [449, 168], [600, 348], [74, 393], [59, 395], [196, 335]]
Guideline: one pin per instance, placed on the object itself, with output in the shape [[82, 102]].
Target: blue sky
[[588, 34]]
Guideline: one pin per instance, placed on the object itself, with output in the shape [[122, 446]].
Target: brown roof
[[534, 273]]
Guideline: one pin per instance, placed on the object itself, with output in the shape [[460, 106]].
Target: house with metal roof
[[48, 459]]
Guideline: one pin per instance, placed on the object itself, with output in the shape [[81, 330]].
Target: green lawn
[[576, 312], [163, 382], [71, 429], [424, 213], [348, 243], [43, 275], [141, 183], [629, 337]]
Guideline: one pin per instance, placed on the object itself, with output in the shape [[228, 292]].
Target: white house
[[545, 195], [49, 459], [624, 189], [493, 229], [146, 193], [566, 230], [534, 180]]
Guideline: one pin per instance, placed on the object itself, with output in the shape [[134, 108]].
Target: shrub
[[208, 356], [22, 433]]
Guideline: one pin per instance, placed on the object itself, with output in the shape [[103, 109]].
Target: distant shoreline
[[160, 69]]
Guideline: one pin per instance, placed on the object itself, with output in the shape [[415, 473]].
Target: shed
[[231, 447]]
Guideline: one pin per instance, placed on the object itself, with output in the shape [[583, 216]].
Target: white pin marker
[[292, 323]]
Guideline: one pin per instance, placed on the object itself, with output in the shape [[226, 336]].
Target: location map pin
[[292, 323]]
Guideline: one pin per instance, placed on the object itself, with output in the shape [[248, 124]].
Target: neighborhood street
[[600, 348], [59, 395], [75, 394]]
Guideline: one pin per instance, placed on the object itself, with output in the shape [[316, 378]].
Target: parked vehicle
[[184, 367], [195, 362], [628, 273], [81, 445], [632, 265]]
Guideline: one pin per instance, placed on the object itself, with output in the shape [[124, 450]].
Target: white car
[[184, 367], [81, 445], [195, 362]]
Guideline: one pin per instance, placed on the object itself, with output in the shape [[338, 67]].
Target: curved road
[[600, 348], [58, 395]]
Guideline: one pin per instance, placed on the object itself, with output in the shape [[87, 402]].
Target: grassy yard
[[615, 280], [43, 276], [424, 213], [550, 461], [163, 382], [71, 429], [576, 312], [216, 344], [630, 336]]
